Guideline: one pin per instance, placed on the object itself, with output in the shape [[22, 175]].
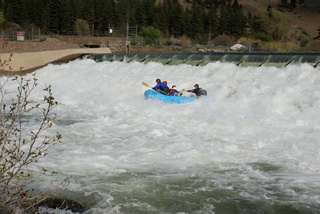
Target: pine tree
[[230, 19], [187, 22], [139, 14], [45, 18], [33, 8], [8, 12], [5, 6], [213, 22], [110, 12], [196, 21], [169, 16], [68, 18], [74, 14], [284, 3], [161, 19], [223, 21], [18, 11], [177, 19], [293, 3], [122, 7], [255, 24], [238, 20], [149, 9], [250, 23], [99, 23], [60, 16]]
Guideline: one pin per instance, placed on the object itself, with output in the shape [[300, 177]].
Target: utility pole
[[136, 33], [127, 31]]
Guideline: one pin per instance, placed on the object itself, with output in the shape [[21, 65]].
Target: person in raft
[[174, 91], [161, 87], [198, 91]]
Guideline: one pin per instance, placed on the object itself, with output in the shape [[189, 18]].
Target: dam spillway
[[200, 59]]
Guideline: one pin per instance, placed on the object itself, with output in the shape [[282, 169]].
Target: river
[[251, 146]]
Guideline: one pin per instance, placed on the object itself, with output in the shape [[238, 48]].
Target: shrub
[[169, 42], [303, 31], [183, 41], [262, 36], [202, 40], [82, 27], [21, 148], [2, 19], [304, 41], [133, 41], [151, 35], [223, 40], [314, 45], [280, 47]]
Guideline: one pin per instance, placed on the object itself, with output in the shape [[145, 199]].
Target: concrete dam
[[200, 59]]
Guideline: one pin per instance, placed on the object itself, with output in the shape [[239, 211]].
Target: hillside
[[305, 16], [297, 28], [284, 29]]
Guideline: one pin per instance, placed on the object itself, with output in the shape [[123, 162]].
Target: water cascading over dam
[[201, 59]]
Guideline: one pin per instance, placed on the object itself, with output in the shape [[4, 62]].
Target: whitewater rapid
[[251, 146]]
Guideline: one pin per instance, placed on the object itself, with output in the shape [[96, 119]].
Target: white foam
[[251, 115]]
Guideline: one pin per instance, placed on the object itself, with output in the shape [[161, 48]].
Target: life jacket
[[174, 92], [200, 92]]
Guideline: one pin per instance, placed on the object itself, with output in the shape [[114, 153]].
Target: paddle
[[183, 90], [145, 84]]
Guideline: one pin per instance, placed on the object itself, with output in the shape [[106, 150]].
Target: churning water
[[251, 146]]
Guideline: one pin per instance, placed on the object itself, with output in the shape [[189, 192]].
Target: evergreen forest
[[198, 20]]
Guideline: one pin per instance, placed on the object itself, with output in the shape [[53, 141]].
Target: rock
[[236, 47]]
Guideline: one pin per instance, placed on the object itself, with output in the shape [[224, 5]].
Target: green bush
[[2, 19], [169, 42], [262, 36], [151, 35], [133, 41], [202, 40], [82, 27], [304, 41]]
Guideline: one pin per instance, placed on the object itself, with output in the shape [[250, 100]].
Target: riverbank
[[27, 56], [30, 61]]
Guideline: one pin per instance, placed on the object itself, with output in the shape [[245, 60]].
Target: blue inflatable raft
[[152, 94]]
